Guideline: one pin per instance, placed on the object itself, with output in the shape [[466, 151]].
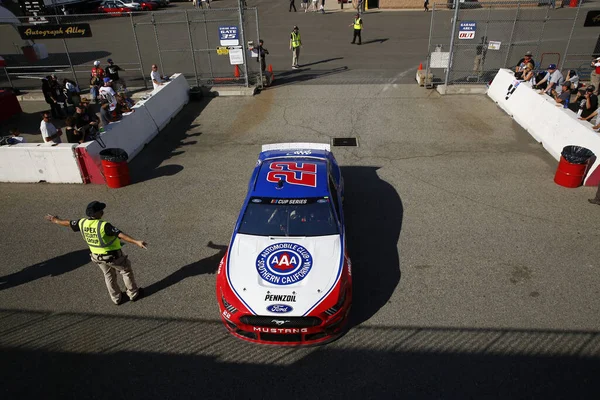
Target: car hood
[[284, 275]]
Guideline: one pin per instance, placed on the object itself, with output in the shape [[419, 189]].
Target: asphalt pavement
[[475, 275]]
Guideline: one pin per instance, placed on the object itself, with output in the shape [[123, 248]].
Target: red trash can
[[572, 166], [116, 169]]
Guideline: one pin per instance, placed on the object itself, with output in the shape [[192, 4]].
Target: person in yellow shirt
[[105, 246], [358, 25], [295, 44]]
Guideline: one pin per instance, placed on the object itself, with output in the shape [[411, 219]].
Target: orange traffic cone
[[236, 71], [420, 66], [271, 72]]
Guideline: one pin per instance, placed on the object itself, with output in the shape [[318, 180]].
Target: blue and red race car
[[286, 277]]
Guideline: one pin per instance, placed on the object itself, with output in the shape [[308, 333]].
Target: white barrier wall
[[137, 129], [35, 162], [550, 124]]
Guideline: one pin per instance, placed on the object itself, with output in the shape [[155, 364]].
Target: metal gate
[[183, 41], [470, 42]]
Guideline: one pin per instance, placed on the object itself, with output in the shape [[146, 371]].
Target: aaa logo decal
[[294, 173], [284, 263]]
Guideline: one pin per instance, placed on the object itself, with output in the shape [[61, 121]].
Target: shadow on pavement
[[168, 144], [373, 211], [89, 356], [207, 265], [303, 75], [375, 41], [54, 267], [322, 61]]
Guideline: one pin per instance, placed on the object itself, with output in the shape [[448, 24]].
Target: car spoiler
[[296, 146]]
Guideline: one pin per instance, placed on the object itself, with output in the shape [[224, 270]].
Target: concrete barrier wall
[[548, 123], [137, 129], [36, 162]]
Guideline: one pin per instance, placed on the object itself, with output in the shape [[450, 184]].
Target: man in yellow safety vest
[[103, 240], [357, 24], [295, 44]]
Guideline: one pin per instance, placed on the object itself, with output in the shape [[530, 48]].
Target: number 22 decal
[[294, 173]]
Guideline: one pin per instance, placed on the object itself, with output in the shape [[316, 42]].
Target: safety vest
[[93, 233], [357, 24], [295, 39]]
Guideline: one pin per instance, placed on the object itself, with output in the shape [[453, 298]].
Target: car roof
[[302, 177]]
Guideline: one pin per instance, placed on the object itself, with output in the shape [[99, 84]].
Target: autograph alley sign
[[55, 31]]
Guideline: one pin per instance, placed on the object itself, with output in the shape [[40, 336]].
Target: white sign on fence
[[236, 56], [494, 45]]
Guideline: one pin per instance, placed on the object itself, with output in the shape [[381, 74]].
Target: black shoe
[[359, 44], [121, 300], [594, 201], [139, 295], [351, 42]]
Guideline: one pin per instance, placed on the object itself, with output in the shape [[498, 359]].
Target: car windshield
[[289, 217]]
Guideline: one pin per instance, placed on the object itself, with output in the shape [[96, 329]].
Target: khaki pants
[[595, 78], [478, 64], [295, 56], [110, 268]]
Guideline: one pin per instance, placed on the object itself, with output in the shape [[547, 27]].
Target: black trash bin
[[573, 165], [116, 169]]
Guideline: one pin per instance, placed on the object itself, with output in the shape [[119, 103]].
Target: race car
[[286, 277]]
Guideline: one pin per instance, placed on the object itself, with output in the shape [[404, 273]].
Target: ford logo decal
[[279, 308]]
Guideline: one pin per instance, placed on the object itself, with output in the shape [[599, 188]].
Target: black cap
[[93, 208], [567, 84], [590, 88]]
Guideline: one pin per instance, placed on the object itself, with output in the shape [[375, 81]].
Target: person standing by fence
[[295, 45]]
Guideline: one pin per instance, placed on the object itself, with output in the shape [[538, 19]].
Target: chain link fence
[[177, 41], [468, 44]]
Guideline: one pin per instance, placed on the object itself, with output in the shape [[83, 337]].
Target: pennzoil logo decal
[[284, 263]]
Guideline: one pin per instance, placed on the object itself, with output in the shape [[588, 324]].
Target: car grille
[[274, 337], [274, 322]]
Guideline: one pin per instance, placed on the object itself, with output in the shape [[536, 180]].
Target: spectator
[[156, 77], [84, 123], [73, 135], [123, 106], [595, 76], [96, 80], [262, 53], [589, 118], [527, 73], [15, 136], [573, 78], [105, 114], [107, 93], [112, 72], [49, 131], [72, 91], [565, 95], [47, 91], [480, 53], [58, 95], [527, 59], [585, 103], [553, 80]]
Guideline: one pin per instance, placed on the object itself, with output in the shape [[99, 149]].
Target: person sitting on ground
[[15, 136], [49, 132], [105, 114], [527, 73], [73, 135], [585, 103], [122, 105], [565, 95], [84, 124], [527, 59], [553, 80], [590, 119], [573, 78]]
